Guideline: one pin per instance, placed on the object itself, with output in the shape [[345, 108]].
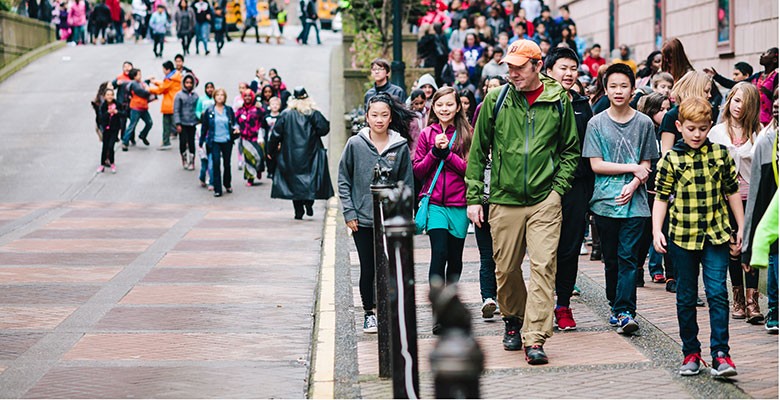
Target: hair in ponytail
[[400, 116]]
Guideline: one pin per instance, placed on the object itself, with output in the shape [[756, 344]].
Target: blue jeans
[[202, 31], [220, 153], [135, 115], [487, 266], [714, 260], [619, 246], [307, 29], [655, 263], [771, 284]]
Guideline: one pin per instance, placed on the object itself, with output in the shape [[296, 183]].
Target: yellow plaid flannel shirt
[[700, 179]]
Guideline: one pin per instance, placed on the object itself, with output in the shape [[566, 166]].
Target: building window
[[725, 27], [659, 24]]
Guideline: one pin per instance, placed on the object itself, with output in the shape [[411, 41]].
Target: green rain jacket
[[534, 150]]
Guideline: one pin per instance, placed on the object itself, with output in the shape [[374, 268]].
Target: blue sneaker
[[626, 324], [613, 320]]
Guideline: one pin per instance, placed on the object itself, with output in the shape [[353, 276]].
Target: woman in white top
[[738, 132]]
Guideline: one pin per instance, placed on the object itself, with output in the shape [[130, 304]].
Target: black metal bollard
[[381, 182], [399, 230], [457, 361]]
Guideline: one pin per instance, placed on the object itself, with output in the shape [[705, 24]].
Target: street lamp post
[[397, 67]]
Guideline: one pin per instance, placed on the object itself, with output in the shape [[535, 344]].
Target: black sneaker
[[595, 255], [535, 355], [436, 330], [513, 340], [671, 286], [143, 139], [309, 210]]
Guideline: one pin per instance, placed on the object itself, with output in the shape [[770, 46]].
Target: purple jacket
[[450, 189]]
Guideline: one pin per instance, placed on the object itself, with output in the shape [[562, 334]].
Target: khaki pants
[[537, 229]]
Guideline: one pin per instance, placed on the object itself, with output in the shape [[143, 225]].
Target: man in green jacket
[[534, 148]]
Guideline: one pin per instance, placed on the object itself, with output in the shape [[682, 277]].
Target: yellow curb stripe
[[325, 345]]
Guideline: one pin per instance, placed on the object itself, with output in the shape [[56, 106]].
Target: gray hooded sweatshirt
[[356, 172]]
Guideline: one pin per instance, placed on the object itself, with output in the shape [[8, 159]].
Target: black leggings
[[107, 153], [446, 256], [187, 140], [364, 241], [159, 41], [186, 39]]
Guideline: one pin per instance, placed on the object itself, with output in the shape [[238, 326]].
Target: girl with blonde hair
[[692, 84], [738, 132]]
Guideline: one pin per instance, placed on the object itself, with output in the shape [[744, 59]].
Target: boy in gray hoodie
[[379, 143]]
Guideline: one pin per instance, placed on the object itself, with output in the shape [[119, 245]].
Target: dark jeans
[[107, 153], [202, 31], [487, 266], [187, 139], [304, 29], [574, 207], [619, 242], [251, 23], [221, 151], [446, 256], [186, 39], [135, 115], [120, 32], [140, 31], [219, 39], [159, 41], [364, 241], [714, 263], [771, 284], [307, 29]]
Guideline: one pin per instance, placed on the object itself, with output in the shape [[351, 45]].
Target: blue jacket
[[208, 129]]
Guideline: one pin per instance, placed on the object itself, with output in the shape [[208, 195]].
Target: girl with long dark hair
[[383, 142]]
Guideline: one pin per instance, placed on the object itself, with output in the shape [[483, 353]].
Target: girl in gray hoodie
[[383, 142]]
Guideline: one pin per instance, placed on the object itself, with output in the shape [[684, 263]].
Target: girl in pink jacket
[[447, 219]]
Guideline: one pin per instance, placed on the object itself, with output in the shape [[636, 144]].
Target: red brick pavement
[[220, 309], [589, 362]]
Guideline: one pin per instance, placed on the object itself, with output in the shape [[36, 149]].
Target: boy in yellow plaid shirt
[[700, 175]]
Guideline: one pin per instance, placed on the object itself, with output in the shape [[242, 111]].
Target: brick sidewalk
[[116, 300], [593, 361]]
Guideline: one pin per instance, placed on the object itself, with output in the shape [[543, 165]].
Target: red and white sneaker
[[564, 319], [722, 366]]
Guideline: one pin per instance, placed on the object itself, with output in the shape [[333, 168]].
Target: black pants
[[247, 27], [219, 39], [645, 241], [186, 39], [750, 280], [187, 140], [107, 153], [159, 41], [221, 150], [487, 266], [298, 205], [619, 242], [574, 206], [446, 256], [364, 241]]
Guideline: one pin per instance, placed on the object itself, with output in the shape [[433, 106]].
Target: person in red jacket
[[594, 60]]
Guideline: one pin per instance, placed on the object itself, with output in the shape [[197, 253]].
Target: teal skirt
[[454, 219]]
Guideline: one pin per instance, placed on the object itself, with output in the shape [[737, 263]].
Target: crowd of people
[[273, 130], [522, 130], [106, 21]]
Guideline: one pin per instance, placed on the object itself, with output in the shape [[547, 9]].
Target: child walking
[[274, 110], [184, 105], [159, 26], [700, 175], [737, 133], [383, 142], [447, 138], [110, 118], [620, 144]]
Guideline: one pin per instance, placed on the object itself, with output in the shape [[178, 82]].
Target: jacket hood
[[427, 79], [395, 138], [552, 89]]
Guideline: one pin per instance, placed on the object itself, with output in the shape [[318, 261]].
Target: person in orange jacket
[[168, 89]]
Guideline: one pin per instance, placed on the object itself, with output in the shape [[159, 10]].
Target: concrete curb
[[27, 58]]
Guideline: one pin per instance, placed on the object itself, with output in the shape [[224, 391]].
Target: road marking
[[325, 344]]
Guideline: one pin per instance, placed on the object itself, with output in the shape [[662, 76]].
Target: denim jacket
[[208, 120]]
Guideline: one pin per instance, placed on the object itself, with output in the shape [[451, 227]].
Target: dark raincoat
[[302, 162]]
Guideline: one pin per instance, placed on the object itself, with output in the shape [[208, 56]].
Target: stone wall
[[19, 35]]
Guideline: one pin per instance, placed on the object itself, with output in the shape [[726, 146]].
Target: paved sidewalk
[[115, 300], [591, 362]]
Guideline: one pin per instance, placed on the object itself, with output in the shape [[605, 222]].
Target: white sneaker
[[369, 324], [471, 228], [583, 249], [488, 308]]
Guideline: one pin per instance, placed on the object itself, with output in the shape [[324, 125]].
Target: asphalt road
[[49, 147]]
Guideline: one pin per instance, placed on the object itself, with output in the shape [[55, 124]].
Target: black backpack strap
[[559, 106], [500, 101]]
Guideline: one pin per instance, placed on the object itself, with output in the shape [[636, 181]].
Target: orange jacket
[[168, 88]]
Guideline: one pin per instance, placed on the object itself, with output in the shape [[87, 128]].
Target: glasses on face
[[377, 69]]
